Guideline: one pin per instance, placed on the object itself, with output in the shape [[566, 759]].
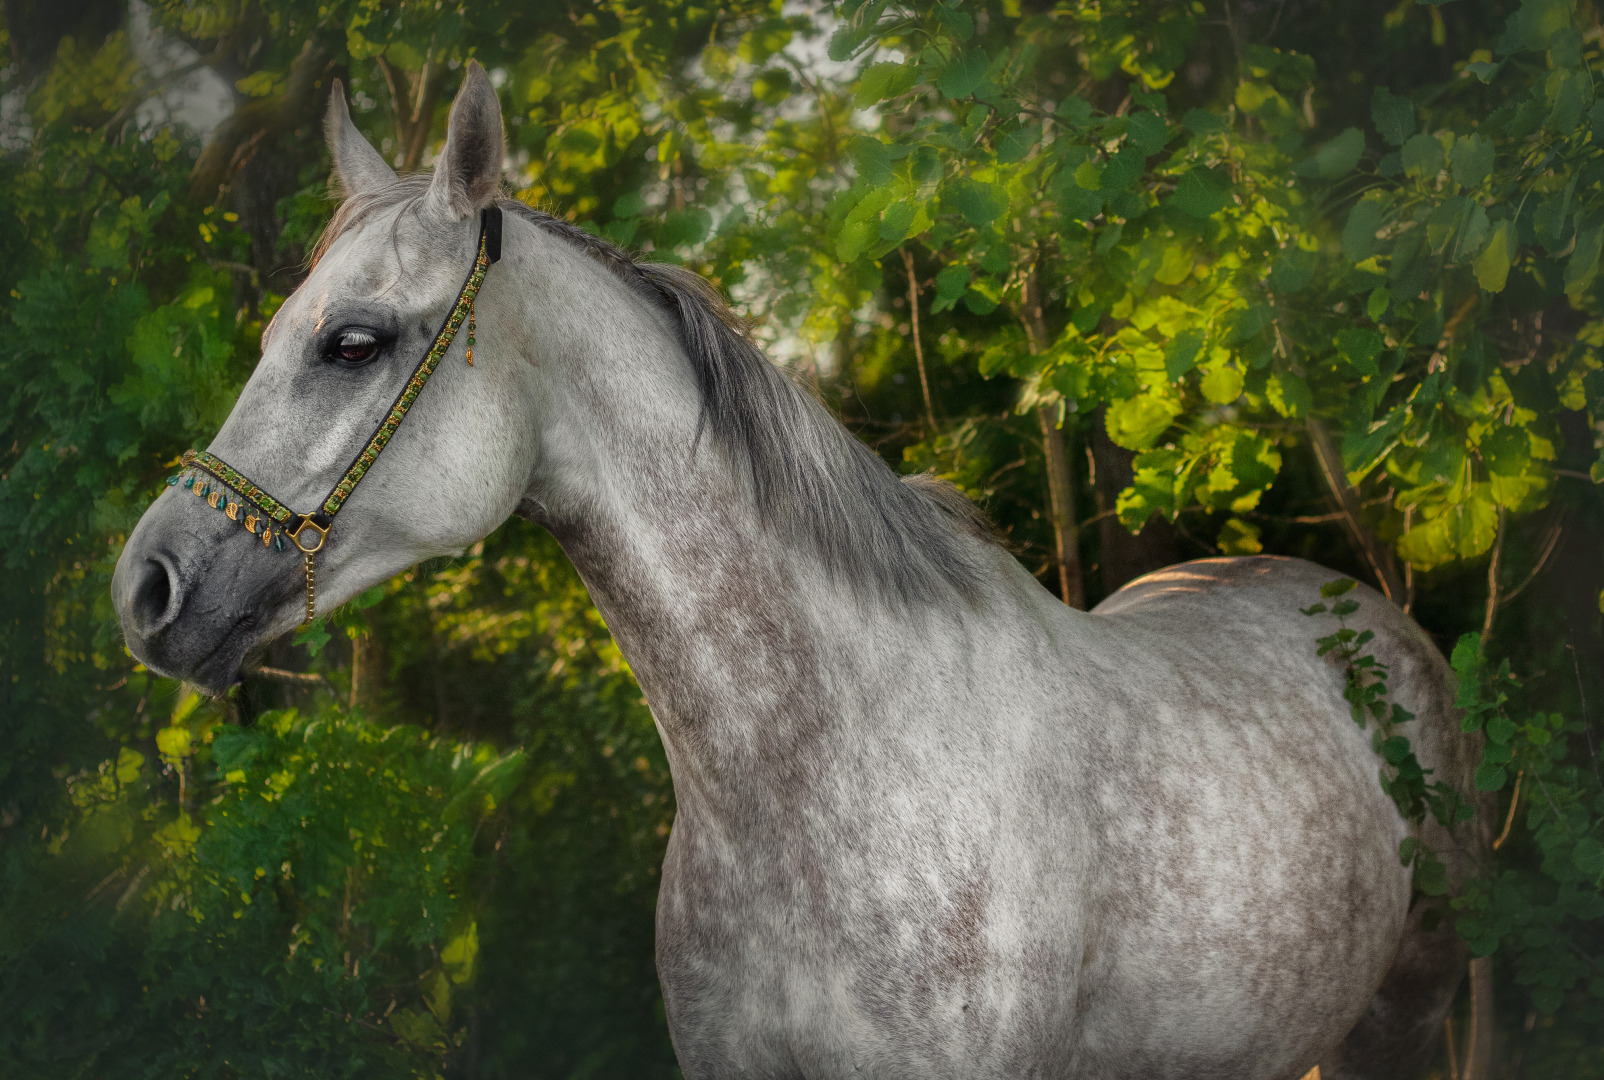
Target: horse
[[931, 822]]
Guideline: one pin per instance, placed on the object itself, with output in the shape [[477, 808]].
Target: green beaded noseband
[[227, 489]]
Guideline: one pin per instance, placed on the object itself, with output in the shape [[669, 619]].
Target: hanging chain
[[311, 586]]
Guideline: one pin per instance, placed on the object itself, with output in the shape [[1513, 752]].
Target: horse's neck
[[722, 620]]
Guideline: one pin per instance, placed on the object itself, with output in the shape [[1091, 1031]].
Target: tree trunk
[[1061, 499], [1371, 549], [1060, 477], [1125, 556], [1479, 1039]]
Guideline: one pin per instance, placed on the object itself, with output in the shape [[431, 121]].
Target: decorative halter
[[213, 479]]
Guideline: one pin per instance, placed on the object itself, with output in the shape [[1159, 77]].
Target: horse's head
[[198, 590]]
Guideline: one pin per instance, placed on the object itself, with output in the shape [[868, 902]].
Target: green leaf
[[1017, 144], [1500, 729], [1075, 112], [1377, 303], [1203, 122], [1359, 235], [1293, 270], [873, 160], [1394, 116], [950, 285], [1181, 353], [1483, 69], [979, 203], [628, 205], [1289, 395], [682, 228], [1422, 157], [1360, 348], [1223, 385], [896, 219], [1490, 776], [979, 302], [313, 635], [1588, 855], [1407, 849], [883, 80], [1136, 423], [1492, 265], [1148, 132], [1237, 537], [1431, 877], [1472, 160], [1198, 194], [1336, 158], [964, 75], [1582, 266]]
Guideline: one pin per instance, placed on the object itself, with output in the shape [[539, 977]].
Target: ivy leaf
[[964, 75], [1394, 116], [1490, 776]]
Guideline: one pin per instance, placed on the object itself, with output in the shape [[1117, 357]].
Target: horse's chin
[[211, 672]]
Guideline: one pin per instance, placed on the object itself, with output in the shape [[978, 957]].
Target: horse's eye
[[355, 347]]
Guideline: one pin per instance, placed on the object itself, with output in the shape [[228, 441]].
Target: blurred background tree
[[1243, 276]]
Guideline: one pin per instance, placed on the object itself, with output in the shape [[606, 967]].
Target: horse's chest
[[781, 965]]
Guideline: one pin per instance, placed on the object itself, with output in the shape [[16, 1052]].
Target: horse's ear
[[468, 172], [358, 168]]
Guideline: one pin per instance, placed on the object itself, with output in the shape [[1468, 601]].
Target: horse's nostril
[[152, 598]]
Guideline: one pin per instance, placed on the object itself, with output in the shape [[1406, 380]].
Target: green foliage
[[1540, 914], [1195, 246]]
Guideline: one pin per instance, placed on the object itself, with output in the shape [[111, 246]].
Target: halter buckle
[[311, 544]]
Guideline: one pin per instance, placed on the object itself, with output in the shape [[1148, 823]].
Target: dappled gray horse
[[932, 822]]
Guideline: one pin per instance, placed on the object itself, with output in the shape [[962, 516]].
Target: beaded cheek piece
[[225, 488]]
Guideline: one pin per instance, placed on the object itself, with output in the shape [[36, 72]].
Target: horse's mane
[[908, 537]]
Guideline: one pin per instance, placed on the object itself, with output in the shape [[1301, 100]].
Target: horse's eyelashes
[[355, 346]]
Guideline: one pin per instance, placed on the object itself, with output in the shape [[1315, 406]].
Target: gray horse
[[932, 822]]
